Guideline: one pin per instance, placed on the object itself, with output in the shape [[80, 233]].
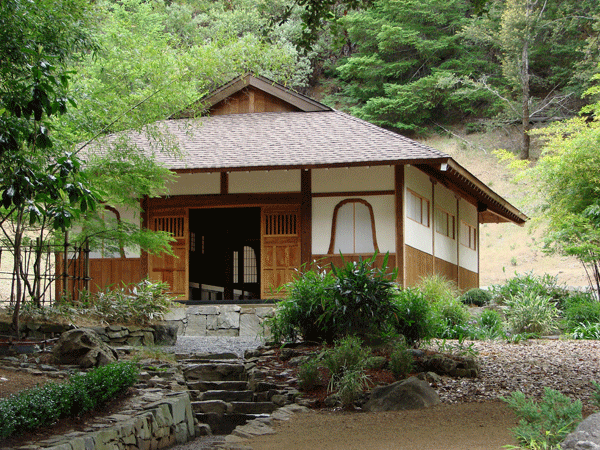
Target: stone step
[[203, 386], [253, 407], [215, 372], [227, 396], [225, 424], [218, 407], [203, 357]]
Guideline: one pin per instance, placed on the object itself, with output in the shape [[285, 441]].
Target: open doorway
[[224, 254]]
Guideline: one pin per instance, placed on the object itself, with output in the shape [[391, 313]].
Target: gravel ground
[[213, 344]]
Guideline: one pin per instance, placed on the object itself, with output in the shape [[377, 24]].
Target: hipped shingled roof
[[314, 137]]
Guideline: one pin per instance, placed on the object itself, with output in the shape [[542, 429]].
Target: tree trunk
[[525, 84]]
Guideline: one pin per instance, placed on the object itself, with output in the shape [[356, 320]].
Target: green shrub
[[581, 309], [362, 302], [139, 303], [308, 374], [347, 354], [529, 312], [490, 324], [437, 288], [401, 361], [477, 297], [541, 285], [545, 423], [42, 406], [413, 317], [589, 331], [298, 315], [350, 386], [450, 320]]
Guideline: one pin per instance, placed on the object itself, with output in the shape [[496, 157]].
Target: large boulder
[[586, 436], [455, 366], [83, 347], [411, 393]]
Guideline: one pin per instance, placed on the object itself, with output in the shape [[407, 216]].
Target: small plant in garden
[[347, 354], [490, 324], [308, 374], [476, 296], [580, 308], [589, 331], [362, 302], [413, 316], [451, 320], [401, 360], [350, 386], [546, 422], [529, 312], [437, 288], [543, 285], [298, 315]]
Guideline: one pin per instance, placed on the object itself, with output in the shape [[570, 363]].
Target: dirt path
[[464, 426]]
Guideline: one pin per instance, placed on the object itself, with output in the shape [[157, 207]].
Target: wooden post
[[306, 218], [399, 203]]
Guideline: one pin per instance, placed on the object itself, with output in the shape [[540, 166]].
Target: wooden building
[[270, 180]]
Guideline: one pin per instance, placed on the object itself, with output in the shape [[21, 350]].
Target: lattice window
[[417, 208], [445, 223], [468, 235], [173, 225], [281, 224], [250, 267]]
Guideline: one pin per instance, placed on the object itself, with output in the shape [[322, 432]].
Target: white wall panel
[[353, 179], [445, 247], [468, 257], [264, 181], [415, 234], [196, 184]]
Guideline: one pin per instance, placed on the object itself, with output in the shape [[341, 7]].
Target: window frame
[[448, 215], [331, 249], [422, 199], [471, 236]]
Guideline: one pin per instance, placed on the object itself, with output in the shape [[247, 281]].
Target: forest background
[[465, 76]]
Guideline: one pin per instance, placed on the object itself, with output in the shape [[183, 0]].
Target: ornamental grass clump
[[530, 312], [45, 405]]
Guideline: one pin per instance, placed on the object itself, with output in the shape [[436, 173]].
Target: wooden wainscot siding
[[418, 264], [467, 279], [106, 272], [446, 269]]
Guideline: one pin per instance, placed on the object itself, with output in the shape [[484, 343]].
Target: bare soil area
[[465, 426]]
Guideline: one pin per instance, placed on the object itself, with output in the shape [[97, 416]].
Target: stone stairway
[[226, 391]]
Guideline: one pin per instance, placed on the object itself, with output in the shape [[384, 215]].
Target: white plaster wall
[[383, 210], [195, 184], [353, 179], [445, 247], [468, 258], [415, 234], [264, 181]]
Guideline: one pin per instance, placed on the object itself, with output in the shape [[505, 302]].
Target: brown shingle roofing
[[284, 140]]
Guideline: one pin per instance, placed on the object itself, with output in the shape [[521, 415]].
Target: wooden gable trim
[[301, 102]]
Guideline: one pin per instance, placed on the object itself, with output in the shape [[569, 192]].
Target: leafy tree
[[539, 47], [567, 180], [41, 185], [409, 54]]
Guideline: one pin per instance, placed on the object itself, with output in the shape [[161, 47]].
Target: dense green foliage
[[362, 301], [401, 360], [476, 296], [545, 423], [412, 64], [414, 317], [43, 406]]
